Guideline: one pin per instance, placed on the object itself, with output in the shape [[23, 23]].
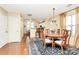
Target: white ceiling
[[40, 11]]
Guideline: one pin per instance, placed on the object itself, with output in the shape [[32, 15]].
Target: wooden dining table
[[55, 36]]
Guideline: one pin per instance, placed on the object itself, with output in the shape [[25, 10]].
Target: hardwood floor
[[15, 48]]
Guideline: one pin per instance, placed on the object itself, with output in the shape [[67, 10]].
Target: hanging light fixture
[[53, 15], [53, 12], [53, 30]]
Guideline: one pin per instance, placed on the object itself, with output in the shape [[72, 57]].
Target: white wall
[[21, 27], [14, 27], [3, 27], [32, 33], [11, 27]]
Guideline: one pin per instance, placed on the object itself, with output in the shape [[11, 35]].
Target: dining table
[[53, 36]]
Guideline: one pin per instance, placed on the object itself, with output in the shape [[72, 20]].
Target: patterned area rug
[[37, 49]]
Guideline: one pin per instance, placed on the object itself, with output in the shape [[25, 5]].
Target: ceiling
[[40, 11]]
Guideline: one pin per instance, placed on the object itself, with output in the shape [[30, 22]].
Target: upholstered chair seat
[[59, 41], [48, 40]]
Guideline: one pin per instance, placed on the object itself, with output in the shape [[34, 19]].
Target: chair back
[[67, 35], [58, 31], [44, 34], [64, 32]]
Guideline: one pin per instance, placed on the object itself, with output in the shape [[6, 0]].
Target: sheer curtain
[[77, 28], [63, 20]]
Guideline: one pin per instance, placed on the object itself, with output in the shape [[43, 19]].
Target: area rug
[[37, 48]]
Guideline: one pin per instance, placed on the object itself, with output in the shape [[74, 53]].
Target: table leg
[[53, 44]]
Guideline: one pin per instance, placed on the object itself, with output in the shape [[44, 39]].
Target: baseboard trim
[[9, 43], [3, 45]]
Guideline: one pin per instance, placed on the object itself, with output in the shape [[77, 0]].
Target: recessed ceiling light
[[29, 14], [69, 5]]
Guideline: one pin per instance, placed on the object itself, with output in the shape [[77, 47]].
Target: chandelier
[[53, 15]]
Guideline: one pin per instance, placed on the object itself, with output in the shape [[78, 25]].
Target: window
[[71, 23]]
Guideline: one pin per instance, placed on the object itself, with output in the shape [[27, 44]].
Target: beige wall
[[58, 21]]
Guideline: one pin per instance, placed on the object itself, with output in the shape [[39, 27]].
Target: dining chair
[[58, 31], [46, 39], [62, 41]]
